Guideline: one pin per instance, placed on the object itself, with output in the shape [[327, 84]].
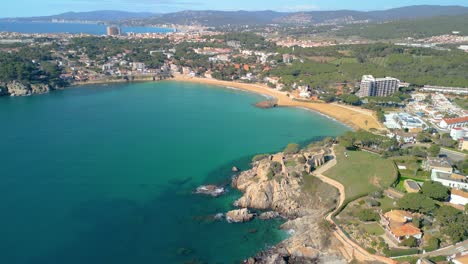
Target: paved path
[[351, 248], [453, 155]]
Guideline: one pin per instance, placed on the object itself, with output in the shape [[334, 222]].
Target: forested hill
[[419, 28]]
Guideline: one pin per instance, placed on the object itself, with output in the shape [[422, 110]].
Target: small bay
[[106, 173]]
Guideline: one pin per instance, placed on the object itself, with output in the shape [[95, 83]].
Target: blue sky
[[17, 8]]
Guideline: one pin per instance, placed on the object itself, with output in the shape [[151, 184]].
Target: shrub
[[368, 215], [301, 160], [371, 250], [377, 194], [270, 175], [259, 157], [291, 149], [410, 242], [372, 202], [276, 167], [432, 244]]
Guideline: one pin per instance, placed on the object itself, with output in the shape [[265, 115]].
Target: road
[[351, 249], [453, 155]]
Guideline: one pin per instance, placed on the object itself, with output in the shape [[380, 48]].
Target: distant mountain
[[217, 18], [101, 15], [343, 16], [221, 18]]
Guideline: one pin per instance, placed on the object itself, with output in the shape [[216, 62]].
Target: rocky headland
[[281, 184], [16, 88]]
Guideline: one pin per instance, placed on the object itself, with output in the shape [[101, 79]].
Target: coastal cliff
[[282, 183], [16, 88]]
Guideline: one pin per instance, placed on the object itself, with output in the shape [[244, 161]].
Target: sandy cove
[[355, 117]]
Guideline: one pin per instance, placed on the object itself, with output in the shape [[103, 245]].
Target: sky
[[22, 8]]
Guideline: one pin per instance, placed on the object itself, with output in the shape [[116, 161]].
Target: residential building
[[138, 66], [445, 90], [463, 143], [398, 226], [381, 87], [449, 123], [458, 197], [440, 164], [458, 133], [461, 258], [113, 31], [452, 180]]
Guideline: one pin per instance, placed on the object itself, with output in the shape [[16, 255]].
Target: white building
[[458, 197], [458, 133], [138, 66], [449, 123], [381, 87], [452, 180]]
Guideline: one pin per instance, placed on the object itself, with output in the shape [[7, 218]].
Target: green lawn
[[362, 172], [373, 229]]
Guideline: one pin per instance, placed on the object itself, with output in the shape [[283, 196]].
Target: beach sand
[[355, 117]]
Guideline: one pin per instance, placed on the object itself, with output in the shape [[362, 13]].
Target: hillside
[[419, 28]]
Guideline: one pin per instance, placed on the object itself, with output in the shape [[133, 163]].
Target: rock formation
[[273, 184], [18, 89], [239, 216]]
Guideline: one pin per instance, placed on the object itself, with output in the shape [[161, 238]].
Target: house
[[398, 226], [461, 259], [458, 197], [138, 66], [440, 164], [458, 133], [449, 123], [449, 179], [463, 143]]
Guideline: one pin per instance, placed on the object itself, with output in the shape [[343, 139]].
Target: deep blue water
[[72, 28]]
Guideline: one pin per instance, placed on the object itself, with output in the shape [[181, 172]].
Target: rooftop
[[405, 230], [456, 120], [438, 162], [459, 193], [398, 216], [449, 176]]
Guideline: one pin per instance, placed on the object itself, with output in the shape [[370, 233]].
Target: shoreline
[[349, 116]]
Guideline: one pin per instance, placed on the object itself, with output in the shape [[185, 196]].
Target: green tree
[[409, 242], [417, 202], [435, 190], [433, 150], [367, 215]]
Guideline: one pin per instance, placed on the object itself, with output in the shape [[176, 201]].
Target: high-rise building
[[371, 86], [113, 31]]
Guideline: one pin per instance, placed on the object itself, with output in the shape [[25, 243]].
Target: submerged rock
[[212, 190], [239, 216]]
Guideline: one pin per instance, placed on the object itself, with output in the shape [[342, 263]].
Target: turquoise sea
[[72, 28], [105, 173]]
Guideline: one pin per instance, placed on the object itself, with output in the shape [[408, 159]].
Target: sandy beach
[[355, 117]]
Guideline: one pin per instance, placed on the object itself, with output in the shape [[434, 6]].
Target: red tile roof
[[456, 120]]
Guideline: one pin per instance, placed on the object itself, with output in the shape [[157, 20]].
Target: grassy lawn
[[461, 102], [373, 229], [362, 172]]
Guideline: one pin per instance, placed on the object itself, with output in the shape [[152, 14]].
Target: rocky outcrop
[[40, 88], [266, 104], [273, 184], [239, 216], [268, 215], [262, 190], [3, 90], [18, 89], [211, 190], [235, 169]]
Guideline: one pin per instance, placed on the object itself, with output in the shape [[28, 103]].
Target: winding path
[[351, 249]]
